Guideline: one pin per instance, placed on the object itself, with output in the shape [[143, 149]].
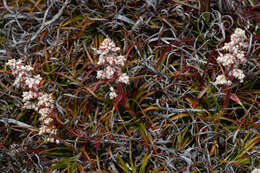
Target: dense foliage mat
[[168, 113]]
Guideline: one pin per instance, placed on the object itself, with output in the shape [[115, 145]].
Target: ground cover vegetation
[[129, 86]]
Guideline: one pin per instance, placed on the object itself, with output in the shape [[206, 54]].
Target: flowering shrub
[[233, 56], [33, 98]]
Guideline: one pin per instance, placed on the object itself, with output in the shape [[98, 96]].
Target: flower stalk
[[34, 98], [112, 64]]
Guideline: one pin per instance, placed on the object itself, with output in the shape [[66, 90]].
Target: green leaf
[[123, 165], [133, 166], [145, 160]]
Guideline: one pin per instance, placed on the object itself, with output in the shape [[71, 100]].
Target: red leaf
[[235, 98], [195, 103], [86, 76], [119, 96], [77, 134]]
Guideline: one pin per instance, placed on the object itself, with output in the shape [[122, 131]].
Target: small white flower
[[101, 52], [44, 112], [42, 130], [239, 35], [107, 46], [123, 78], [237, 73], [111, 89], [226, 60], [48, 130], [120, 60], [27, 68], [221, 80], [11, 62], [30, 105], [17, 82], [112, 94], [107, 43], [43, 117], [241, 57], [54, 131], [33, 83], [100, 74], [51, 140], [47, 121], [45, 100], [28, 95], [226, 46], [30, 82], [109, 72], [101, 60], [37, 79], [115, 49], [110, 60]]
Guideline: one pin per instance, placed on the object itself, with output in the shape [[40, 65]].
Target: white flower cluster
[[111, 61], [233, 56], [33, 98], [235, 49], [222, 80], [112, 94], [237, 73]]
